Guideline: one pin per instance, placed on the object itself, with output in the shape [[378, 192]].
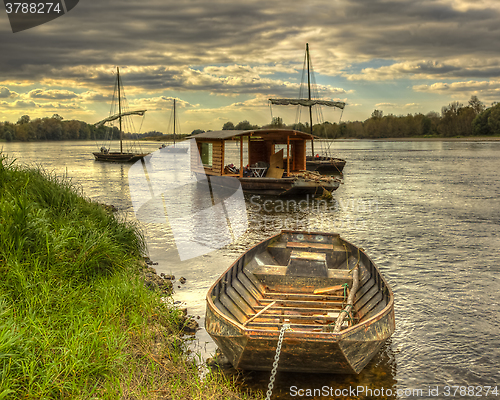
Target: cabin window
[[206, 154]]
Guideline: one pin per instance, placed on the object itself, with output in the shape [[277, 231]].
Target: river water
[[426, 212]]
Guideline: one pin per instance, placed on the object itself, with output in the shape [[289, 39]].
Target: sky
[[222, 60]]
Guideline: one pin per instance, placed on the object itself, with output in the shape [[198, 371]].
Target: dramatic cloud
[[248, 51], [52, 94], [6, 93]]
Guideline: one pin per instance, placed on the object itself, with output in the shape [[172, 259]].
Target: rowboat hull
[[249, 340], [119, 157]]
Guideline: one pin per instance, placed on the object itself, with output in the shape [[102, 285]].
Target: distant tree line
[[54, 128], [456, 119], [473, 119]]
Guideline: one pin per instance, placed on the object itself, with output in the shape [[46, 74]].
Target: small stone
[[182, 280], [190, 325], [219, 359], [151, 285]]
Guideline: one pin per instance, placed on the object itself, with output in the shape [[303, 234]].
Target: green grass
[[75, 318]]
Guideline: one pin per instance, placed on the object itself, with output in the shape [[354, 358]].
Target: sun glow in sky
[[223, 60]]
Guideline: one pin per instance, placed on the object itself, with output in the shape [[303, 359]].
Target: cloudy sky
[[222, 60]]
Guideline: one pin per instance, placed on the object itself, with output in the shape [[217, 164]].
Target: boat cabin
[[263, 153]]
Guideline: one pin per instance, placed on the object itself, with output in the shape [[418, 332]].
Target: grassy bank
[[76, 320]]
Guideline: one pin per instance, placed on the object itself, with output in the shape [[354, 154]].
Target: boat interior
[[304, 280], [271, 153]]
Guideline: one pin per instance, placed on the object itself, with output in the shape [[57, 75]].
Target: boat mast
[[119, 108], [309, 96], [174, 122]]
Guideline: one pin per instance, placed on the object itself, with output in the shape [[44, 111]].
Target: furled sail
[[307, 102], [116, 116]]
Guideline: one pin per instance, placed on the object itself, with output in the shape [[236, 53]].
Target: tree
[[277, 122], [377, 114], [228, 126], [196, 131], [25, 119], [244, 126], [476, 105], [480, 126], [300, 127], [494, 120]]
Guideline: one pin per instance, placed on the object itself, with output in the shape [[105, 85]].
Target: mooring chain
[[284, 328]]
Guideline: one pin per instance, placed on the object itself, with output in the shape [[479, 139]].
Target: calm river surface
[[428, 213]]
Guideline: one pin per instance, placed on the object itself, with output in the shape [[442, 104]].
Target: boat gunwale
[[338, 335]]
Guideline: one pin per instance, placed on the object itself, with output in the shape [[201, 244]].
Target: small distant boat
[[276, 162], [173, 149], [119, 104], [339, 308], [322, 164]]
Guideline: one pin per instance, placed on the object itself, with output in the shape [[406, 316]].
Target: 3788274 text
[[32, 8], [429, 391]]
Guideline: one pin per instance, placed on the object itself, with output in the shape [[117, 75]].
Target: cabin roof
[[229, 134]]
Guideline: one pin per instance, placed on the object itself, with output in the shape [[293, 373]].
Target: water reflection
[[377, 380]]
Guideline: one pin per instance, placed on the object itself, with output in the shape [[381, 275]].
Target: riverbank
[[429, 139], [76, 319]]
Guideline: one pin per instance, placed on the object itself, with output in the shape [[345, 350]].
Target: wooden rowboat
[[299, 278]]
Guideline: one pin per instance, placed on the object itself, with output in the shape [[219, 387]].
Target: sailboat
[[130, 155], [314, 162], [173, 149]]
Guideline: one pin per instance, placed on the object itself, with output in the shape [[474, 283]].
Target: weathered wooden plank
[[294, 308], [260, 313], [232, 308], [310, 245], [238, 300], [313, 318], [243, 292], [307, 304], [299, 326], [301, 296], [329, 290]]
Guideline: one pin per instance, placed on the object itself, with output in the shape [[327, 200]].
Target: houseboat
[[270, 161]]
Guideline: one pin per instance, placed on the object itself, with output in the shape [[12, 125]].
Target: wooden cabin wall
[[217, 166], [257, 151], [218, 158], [299, 155]]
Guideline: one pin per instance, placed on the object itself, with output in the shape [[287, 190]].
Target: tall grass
[[68, 291], [75, 318]]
